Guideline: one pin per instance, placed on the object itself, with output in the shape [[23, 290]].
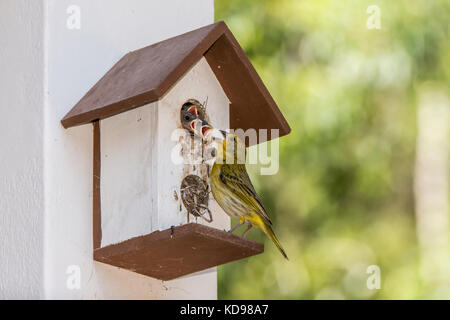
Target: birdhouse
[[144, 219]]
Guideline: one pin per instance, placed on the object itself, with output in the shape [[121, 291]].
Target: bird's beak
[[194, 125], [205, 129], [193, 110]]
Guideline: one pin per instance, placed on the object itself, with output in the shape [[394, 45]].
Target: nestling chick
[[189, 115]]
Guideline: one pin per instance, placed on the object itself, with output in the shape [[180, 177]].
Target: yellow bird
[[231, 185]]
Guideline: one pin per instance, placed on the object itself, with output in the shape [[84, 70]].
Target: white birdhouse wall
[[140, 182]]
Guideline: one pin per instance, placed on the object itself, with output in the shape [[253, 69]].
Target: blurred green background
[[355, 186]]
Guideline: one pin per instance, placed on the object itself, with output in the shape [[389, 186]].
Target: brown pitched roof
[[145, 75]]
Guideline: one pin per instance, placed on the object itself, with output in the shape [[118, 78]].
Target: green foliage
[[343, 197]]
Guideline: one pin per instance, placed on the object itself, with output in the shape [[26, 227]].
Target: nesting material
[[195, 195]]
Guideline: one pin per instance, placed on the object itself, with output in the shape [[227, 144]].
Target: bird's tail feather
[[269, 231]]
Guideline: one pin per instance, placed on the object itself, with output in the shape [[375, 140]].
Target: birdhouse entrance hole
[[200, 108]]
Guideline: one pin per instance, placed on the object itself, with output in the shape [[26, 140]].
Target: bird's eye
[[186, 118]]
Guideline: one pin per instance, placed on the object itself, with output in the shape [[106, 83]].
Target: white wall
[[39, 54], [126, 181], [21, 149]]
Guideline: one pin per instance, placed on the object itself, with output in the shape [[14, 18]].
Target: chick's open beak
[[194, 125], [193, 110], [205, 129]]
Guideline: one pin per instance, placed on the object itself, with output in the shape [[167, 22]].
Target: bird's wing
[[235, 177]]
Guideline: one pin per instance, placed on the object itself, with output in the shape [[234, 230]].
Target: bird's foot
[[246, 230], [235, 227]]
